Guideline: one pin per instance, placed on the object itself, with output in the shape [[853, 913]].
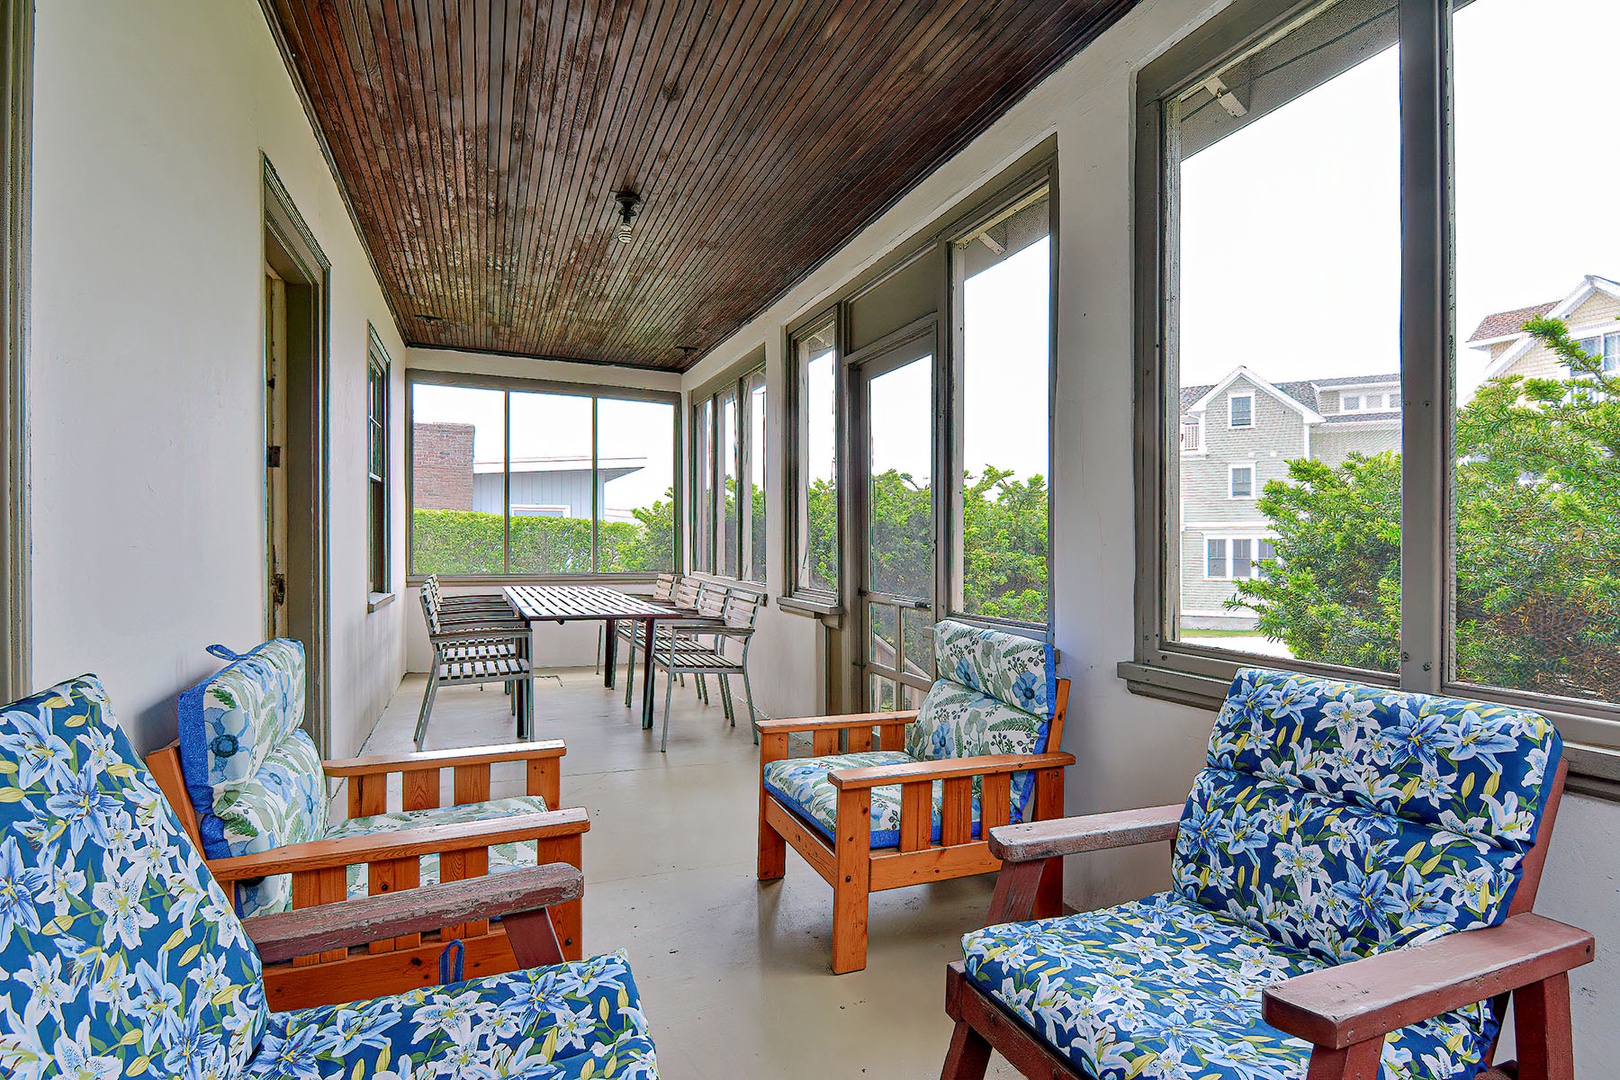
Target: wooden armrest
[[946, 769], [1367, 999], [1093, 832], [401, 844], [365, 919], [833, 723], [468, 755]]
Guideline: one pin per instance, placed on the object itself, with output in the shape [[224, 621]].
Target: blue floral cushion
[[801, 784], [1165, 988], [994, 695], [119, 955], [571, 1020], [1347, 819], [253, 775]]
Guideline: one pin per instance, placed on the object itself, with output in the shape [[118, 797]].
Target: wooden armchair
[[259, 814], [913, 796], [136, 964], [1396, 960]]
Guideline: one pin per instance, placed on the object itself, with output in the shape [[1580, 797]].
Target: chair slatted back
[[430, 609], [711, 601], [686, 593], [741, 609], [664, 587]]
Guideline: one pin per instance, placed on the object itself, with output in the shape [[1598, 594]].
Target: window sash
[[1233, 419], [816, 344], [713, 549], [1193, 673], [506, 387]]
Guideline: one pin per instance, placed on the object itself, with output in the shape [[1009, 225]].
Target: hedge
[[469, 542]]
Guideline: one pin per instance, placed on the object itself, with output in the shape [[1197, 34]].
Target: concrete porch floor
[[733, 974]]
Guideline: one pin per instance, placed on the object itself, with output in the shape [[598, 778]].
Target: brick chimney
[[442, 466]]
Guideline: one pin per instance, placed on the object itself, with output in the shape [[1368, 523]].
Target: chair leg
[[852, 878], [669, 692], [725, 697], [427, 704], [702, 688], [1544, 1030], [969, 1055], [748, 693], [629, 672], [1359, 1061]]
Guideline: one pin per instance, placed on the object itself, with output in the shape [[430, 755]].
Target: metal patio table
[[579, 603]]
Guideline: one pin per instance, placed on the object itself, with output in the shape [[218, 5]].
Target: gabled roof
[[1507, 324], [1298, 404], [1562, 309]]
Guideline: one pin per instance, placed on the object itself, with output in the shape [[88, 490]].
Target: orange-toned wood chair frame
[[852, 867], [319, 868], [1344, 1011]]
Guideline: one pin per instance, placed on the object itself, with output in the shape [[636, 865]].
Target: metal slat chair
[[701, 650], [702, 601], [475, 651]]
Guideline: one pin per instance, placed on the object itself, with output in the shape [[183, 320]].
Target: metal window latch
[[278, 589], [272, 457]]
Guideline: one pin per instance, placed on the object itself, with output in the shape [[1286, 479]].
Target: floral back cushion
[[1348, 819], [119, 954], [253, 775], [994, 695]]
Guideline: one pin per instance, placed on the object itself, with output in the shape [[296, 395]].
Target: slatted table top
[[561, 603]]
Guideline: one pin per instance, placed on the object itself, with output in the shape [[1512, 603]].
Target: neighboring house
[[445, 477], [1590, 311], [1240, 433]]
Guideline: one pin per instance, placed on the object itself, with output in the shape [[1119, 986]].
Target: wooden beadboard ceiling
[[480, 145]]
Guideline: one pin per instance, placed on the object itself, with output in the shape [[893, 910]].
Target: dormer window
[[1240, 411], [1350, 403], [1362, 401]]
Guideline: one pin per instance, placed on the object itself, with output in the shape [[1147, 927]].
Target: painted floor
[[733, 974]]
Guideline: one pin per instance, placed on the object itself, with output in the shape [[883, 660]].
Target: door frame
[[290, 248], [916, 342], [16, 196]]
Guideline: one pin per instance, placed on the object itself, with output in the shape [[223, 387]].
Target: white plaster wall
[[1132, 751], [146, 372]]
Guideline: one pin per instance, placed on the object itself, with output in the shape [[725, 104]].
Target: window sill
[[378, 600], [496, 580], [1594, 771], [830, 612]]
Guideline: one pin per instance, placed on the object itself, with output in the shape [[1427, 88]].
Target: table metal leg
[[647, 626], [610, 652]]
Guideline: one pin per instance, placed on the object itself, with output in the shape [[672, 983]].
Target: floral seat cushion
[[572, 1020], [994, 695], [802, 785], [1167, 989], [269, 901], [119, 954]]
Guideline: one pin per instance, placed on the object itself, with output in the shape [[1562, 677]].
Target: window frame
[[796, 453], [508, 385], [1231, 418], [379, 467], [734, 382], [1231, 480], [1199, 675]]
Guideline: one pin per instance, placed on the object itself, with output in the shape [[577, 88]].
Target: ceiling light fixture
[[629, 207]]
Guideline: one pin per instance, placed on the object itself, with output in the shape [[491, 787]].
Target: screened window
[[1191, 439], [1002, 275], [1257, 197], [565, 481], [1464, 542], [815, 468], [728, 453], [377, 434]]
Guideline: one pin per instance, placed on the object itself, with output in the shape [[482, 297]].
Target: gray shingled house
[[1235, 436]]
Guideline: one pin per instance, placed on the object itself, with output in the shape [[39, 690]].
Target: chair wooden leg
[[969, 1055], [852, 880], [772, 848], [1544, 1030], [1358, 1062]]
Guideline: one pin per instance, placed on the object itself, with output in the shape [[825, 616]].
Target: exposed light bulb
[[629, 207]]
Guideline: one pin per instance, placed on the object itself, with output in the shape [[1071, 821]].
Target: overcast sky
[[1291, 226]]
